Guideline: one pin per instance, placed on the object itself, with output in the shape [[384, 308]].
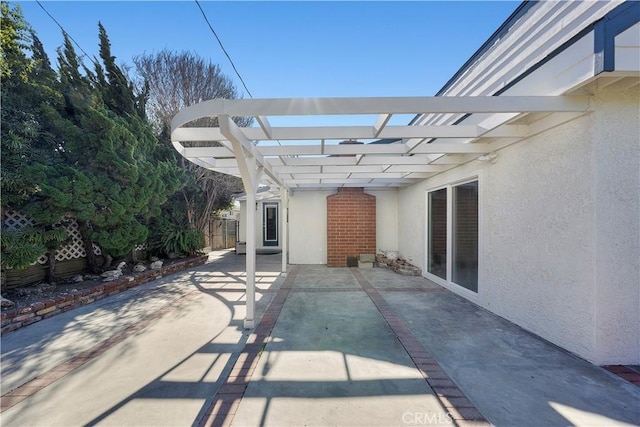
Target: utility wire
[[223, 49], [63, 30], [228, 56]]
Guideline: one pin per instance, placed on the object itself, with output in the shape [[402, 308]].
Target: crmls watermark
[[426, 418]]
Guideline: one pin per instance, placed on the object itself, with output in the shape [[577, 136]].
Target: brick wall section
[[351, 225], [18, 318]]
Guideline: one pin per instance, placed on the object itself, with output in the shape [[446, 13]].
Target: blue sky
[[292, 49]]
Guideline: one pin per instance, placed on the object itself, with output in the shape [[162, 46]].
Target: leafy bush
[[182, 241], [169, 235], [21, 248]]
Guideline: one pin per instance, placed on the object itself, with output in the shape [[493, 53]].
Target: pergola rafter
[[299, 156]]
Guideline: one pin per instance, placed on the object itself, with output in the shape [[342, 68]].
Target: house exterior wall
[[386, 218], [242, 222], [308, 224], [258, 224], [617, 225], [308, 227], [559, 239]]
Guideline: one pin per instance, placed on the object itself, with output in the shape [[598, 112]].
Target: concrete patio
[[333, 346]]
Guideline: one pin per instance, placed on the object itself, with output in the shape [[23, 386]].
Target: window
[[453, 227]]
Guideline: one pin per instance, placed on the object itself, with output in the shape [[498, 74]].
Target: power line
[[223, 49], [62, 28]]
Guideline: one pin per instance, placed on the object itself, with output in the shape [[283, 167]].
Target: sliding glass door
[[438, 233], [464, 265], [453, 228]]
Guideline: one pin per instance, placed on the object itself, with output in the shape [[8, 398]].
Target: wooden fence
[[222, 233]]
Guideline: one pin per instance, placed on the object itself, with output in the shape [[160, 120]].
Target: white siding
[[628, 49]]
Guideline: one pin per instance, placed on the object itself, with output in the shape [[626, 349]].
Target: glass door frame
[[448, 283], [265, 225]]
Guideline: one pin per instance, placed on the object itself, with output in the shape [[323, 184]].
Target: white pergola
[[447, 132]]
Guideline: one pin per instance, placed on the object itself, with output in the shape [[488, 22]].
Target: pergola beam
[[444, 148], [429, 147], [352, 132], [322, 161], [398, 160], [379, 105], [217, 152]]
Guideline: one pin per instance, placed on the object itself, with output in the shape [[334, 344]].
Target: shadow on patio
[[333, 355]]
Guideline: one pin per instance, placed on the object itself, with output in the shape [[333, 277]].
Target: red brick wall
[[351, 225]]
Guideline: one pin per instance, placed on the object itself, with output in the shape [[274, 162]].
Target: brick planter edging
[[12, 320]]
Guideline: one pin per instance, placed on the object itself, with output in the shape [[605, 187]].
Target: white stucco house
[[267, 222], [516, 186]]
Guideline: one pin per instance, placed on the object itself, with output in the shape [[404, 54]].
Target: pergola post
[[249, 321], [251, 172], [284, 226]]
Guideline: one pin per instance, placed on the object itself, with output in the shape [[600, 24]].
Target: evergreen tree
[[113, 179], [29, 93], [75, 146], [118, 95]]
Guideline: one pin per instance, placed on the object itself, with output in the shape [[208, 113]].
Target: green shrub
[[168, 236], [21, 248]]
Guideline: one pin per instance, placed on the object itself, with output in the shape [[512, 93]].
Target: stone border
[[225, 403], [459, 408], [15, 319], [625, 373]]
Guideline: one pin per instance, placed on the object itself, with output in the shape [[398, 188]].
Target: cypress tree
[[29, 93], [112, 181], [75, 146]]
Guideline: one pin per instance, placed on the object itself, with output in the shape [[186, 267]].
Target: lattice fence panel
[[15, 220], [75, 248]]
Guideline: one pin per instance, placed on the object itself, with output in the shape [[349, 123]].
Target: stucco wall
[[387, 219], [242, 220], [617, 239], [308, 227], [559, 231], [538, 235]]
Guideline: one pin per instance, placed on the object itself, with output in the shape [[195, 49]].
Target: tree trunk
[[51, 267], [88, 245], [108, 260]]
